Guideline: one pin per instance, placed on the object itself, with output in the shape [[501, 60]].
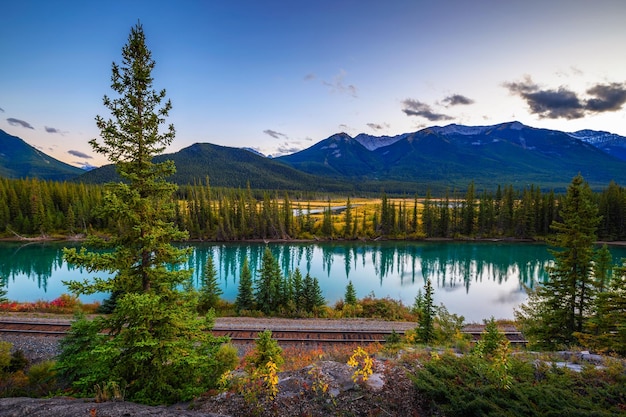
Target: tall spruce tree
[[607, 328], [157, 348], [245, 295], [210, 290], [350, 295], [561, 305], [426, 321], [268, 285]]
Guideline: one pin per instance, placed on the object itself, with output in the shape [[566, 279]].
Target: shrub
[[457, 386], [384, 308], [42, 378], [266, 350], [226, 358], [5, 355], [362, 364], [18, 361]]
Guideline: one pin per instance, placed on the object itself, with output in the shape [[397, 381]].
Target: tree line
[[30, 207]]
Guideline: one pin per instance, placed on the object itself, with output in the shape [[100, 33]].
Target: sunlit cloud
[[18, 122]]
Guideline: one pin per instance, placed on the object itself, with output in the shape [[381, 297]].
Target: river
[[474, 279]]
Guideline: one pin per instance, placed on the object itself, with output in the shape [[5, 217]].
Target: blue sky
[[279, 76]]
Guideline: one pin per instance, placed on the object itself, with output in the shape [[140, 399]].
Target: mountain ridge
[[18, 159], [438, 158], [451, 156]]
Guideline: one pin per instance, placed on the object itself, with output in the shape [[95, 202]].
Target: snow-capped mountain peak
[[371, 143]]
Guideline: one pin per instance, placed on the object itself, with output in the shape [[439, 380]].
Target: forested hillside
[[229, 167], [20, 160]]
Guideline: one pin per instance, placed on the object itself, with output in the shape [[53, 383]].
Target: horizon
[[280, 76]]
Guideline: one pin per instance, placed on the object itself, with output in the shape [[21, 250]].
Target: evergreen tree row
[[34, 207], [37, 207], [274, 293]]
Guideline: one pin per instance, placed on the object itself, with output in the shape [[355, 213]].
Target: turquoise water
[[475, 279]]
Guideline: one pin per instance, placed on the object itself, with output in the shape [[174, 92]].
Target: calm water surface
[[477, 280]]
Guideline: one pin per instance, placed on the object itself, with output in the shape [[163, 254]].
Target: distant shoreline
[[81, 238]]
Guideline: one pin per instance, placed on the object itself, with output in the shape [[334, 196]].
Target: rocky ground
[[388, 393], [323, 389]]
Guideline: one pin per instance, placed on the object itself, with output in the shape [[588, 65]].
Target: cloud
[[457, 99], [607, 97], [275, 134], [79, 154], [310, 77], [287, 149], [344, 128], [565, 103], [1, 110], [376, 126], [53, 130], [417, 108], [18, 122], [338, 85]]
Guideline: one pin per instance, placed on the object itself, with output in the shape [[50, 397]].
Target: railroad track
[[283, 336]]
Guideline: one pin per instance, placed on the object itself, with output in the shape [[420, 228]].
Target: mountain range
[[438, 158], [452, 156]]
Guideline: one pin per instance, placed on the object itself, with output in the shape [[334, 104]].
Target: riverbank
[[82, 238]]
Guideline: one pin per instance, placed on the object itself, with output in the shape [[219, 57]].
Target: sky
[[280, 76]]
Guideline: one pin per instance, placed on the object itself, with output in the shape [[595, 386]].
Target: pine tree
[[350, 296], [602, 267], [318, 297], [312, 294], [156, 345], [469, 211], [298, 290], [3, 290], [608, 326], [267, 290], [210, 290], [327, 222], [245, 296], [347, 231], [564, 302], [426, 329]]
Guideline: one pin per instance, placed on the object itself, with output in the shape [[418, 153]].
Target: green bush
[[453, 386], [42, 378], [5, 355], [384, 308], [266, 350]]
